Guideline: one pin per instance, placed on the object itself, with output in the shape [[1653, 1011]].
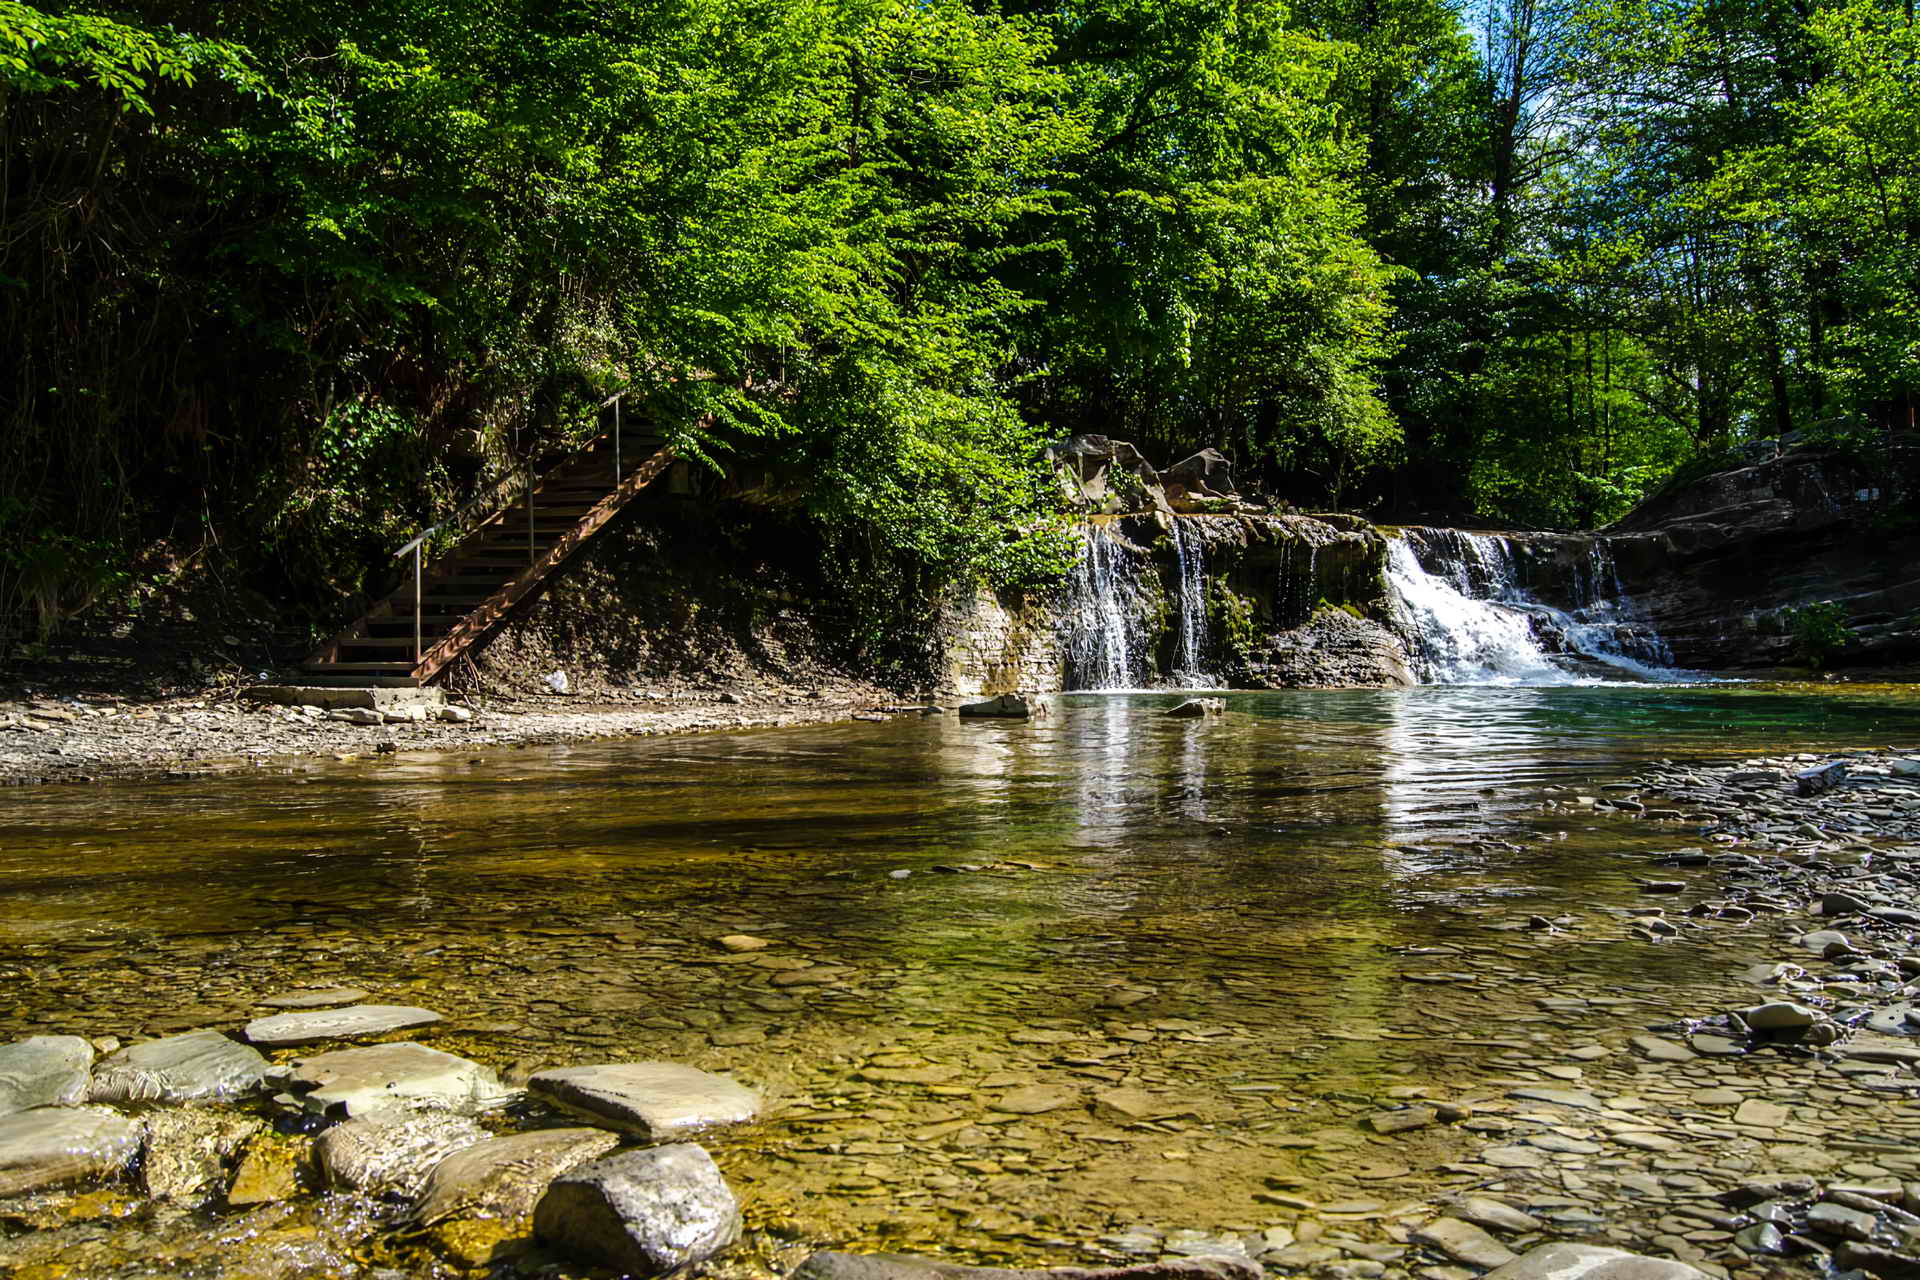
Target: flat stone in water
[[392, 1154], [283, 1030], [52, 1146], [1496, 1215], [1035, 1099], [201, 1067], [504, 1177], [314, 998], [1656, 1049], [1463, 1242], [1559, 1097], [654, 1099], [380, 1077], [43, 1071], [1769, 1115]]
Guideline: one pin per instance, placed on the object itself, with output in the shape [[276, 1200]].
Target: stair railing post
[[531, 555], [416, 602]]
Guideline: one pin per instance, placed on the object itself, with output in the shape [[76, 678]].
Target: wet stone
[[313, 998], [1496, 1215], [201, 1067], [54, 1146], [504, 1177], [646, 1213], [1559, 1097], [43, 1071], [365, 1081], [1656, 1049], [392, 1154], [1767, 1115], [1463, 1242], [1762, 1238], [654, 1099], [1782, 1015], [1838, 1220], [284, 1030]]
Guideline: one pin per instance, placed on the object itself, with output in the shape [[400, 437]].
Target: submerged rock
[[1196, 708], [1008, 706], [313, 998], [897, 1266], [654, 1099], [359, 1082], [392, 1154], [53, 1146], [187, 1152], [283, 1030], [644, 1213], [198, 1068], [505, 1177], [43, 1071]]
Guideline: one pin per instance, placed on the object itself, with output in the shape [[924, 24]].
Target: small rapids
[[1473, 622]]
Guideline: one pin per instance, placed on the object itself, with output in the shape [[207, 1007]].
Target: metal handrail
[[497, 499]]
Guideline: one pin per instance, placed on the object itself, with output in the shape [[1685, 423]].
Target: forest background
[[284, 279]]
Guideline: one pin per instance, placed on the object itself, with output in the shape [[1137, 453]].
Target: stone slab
[[392, 1153], [313, 998], [505, 1177], [654, 1099], [43, 1071], [375, 1078], [198, 1068], [357, 1022], [53, 1146]]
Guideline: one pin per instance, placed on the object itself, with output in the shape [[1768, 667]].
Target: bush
[[1819, 632]]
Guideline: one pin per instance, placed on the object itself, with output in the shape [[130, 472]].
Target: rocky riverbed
[[90, 737], [1741, 1100]]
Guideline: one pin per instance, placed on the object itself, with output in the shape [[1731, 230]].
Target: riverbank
[[80, 738], [1514, 1029]]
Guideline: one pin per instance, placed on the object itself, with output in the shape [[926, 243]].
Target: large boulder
[[43, 1071], [642, 1213], [199, 1068], [1201, 483], [1100, 475], [1008, 706]]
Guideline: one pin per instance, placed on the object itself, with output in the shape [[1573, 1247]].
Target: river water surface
[[1263, 920]]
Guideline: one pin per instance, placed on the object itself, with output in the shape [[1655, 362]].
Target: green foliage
[[1819, 632], [1231, 617]]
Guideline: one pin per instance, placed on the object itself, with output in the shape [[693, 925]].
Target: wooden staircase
[[444, 609]]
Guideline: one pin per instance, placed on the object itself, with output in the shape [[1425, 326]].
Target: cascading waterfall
[[1192, 564], [1101, 649], [1474, 623]]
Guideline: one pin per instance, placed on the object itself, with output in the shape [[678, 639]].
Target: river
[[1222, 912]]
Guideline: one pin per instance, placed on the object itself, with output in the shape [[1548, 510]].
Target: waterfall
[[1192, 564], [1474, 622], [1102, 651]]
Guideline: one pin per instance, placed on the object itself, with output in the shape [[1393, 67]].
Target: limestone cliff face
[[1718, 562]]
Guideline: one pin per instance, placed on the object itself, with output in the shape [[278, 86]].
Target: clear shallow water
[[1223, 911]]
